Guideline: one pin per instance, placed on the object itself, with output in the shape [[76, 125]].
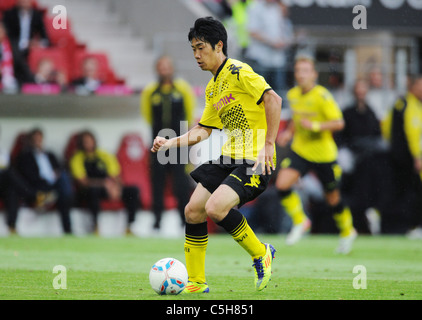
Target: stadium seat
[[133, 156], [63, 38], [7, 4], [57, 55], [106, 73], [21, 140], [70, 148], [58, 37]]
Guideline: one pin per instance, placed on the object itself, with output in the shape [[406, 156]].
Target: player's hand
[[284, 138], [265, 160], [306, 124], [113, 188], [159, 144]]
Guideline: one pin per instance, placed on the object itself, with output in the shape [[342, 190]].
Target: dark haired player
[[242, 103]]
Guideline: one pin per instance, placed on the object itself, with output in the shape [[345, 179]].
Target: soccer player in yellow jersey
[[242, 103], [315, 116]]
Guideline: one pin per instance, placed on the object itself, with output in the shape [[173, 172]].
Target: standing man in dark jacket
[[25, 26], [165, 104], [366, 183]]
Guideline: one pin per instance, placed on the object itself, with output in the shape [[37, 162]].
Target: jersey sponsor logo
[[224, 101]]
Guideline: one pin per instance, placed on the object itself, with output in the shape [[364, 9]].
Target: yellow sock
[[292, 204], [195, 249], [344, 222], [248, 240], [237, 225]]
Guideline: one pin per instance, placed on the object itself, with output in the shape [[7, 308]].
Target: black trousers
[[368, 186], [180, 184], [408, 192], [92, 197], [15, 190]]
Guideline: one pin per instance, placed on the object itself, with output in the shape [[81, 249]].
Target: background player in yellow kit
[[241, 102], [315, 116]]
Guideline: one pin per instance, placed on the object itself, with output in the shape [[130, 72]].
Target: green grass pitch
[[117, 269]]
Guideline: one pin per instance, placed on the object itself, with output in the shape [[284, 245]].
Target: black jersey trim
[[210, 127], [220, 68], [262, 96]]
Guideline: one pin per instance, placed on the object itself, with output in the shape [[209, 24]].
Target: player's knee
[[286, 179], [193, 214], [333, 198], [281, 185], [214, 210]]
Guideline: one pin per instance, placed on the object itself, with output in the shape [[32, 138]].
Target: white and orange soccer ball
[[168, 276]]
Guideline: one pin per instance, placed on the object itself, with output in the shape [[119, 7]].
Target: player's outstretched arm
[[332, 125], [193, 136], [272, 102]]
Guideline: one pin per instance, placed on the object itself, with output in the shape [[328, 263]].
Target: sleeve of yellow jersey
[[111, 162], [189, 99], [210, 116], [330, 108], [253, 83], [145, 106], [413, 130], [76, 164]]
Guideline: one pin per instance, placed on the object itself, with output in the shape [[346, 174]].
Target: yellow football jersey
[[234, 103], [316, 105]]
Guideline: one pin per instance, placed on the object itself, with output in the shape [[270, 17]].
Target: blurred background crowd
[[75, 127]]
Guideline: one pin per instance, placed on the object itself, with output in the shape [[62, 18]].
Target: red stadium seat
[[105, 73], [58, 37], [70, 148], [57, 55], [20, 142], [133, 156], [7, 4]]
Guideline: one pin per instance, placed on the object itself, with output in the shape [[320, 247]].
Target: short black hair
[[209, 30]]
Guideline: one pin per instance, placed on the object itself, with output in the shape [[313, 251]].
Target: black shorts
[[236, 175], [328, 173]]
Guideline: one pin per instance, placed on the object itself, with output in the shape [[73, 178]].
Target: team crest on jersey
[[235, 70]]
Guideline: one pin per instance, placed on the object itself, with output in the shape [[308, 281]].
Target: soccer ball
[[168, 276]]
